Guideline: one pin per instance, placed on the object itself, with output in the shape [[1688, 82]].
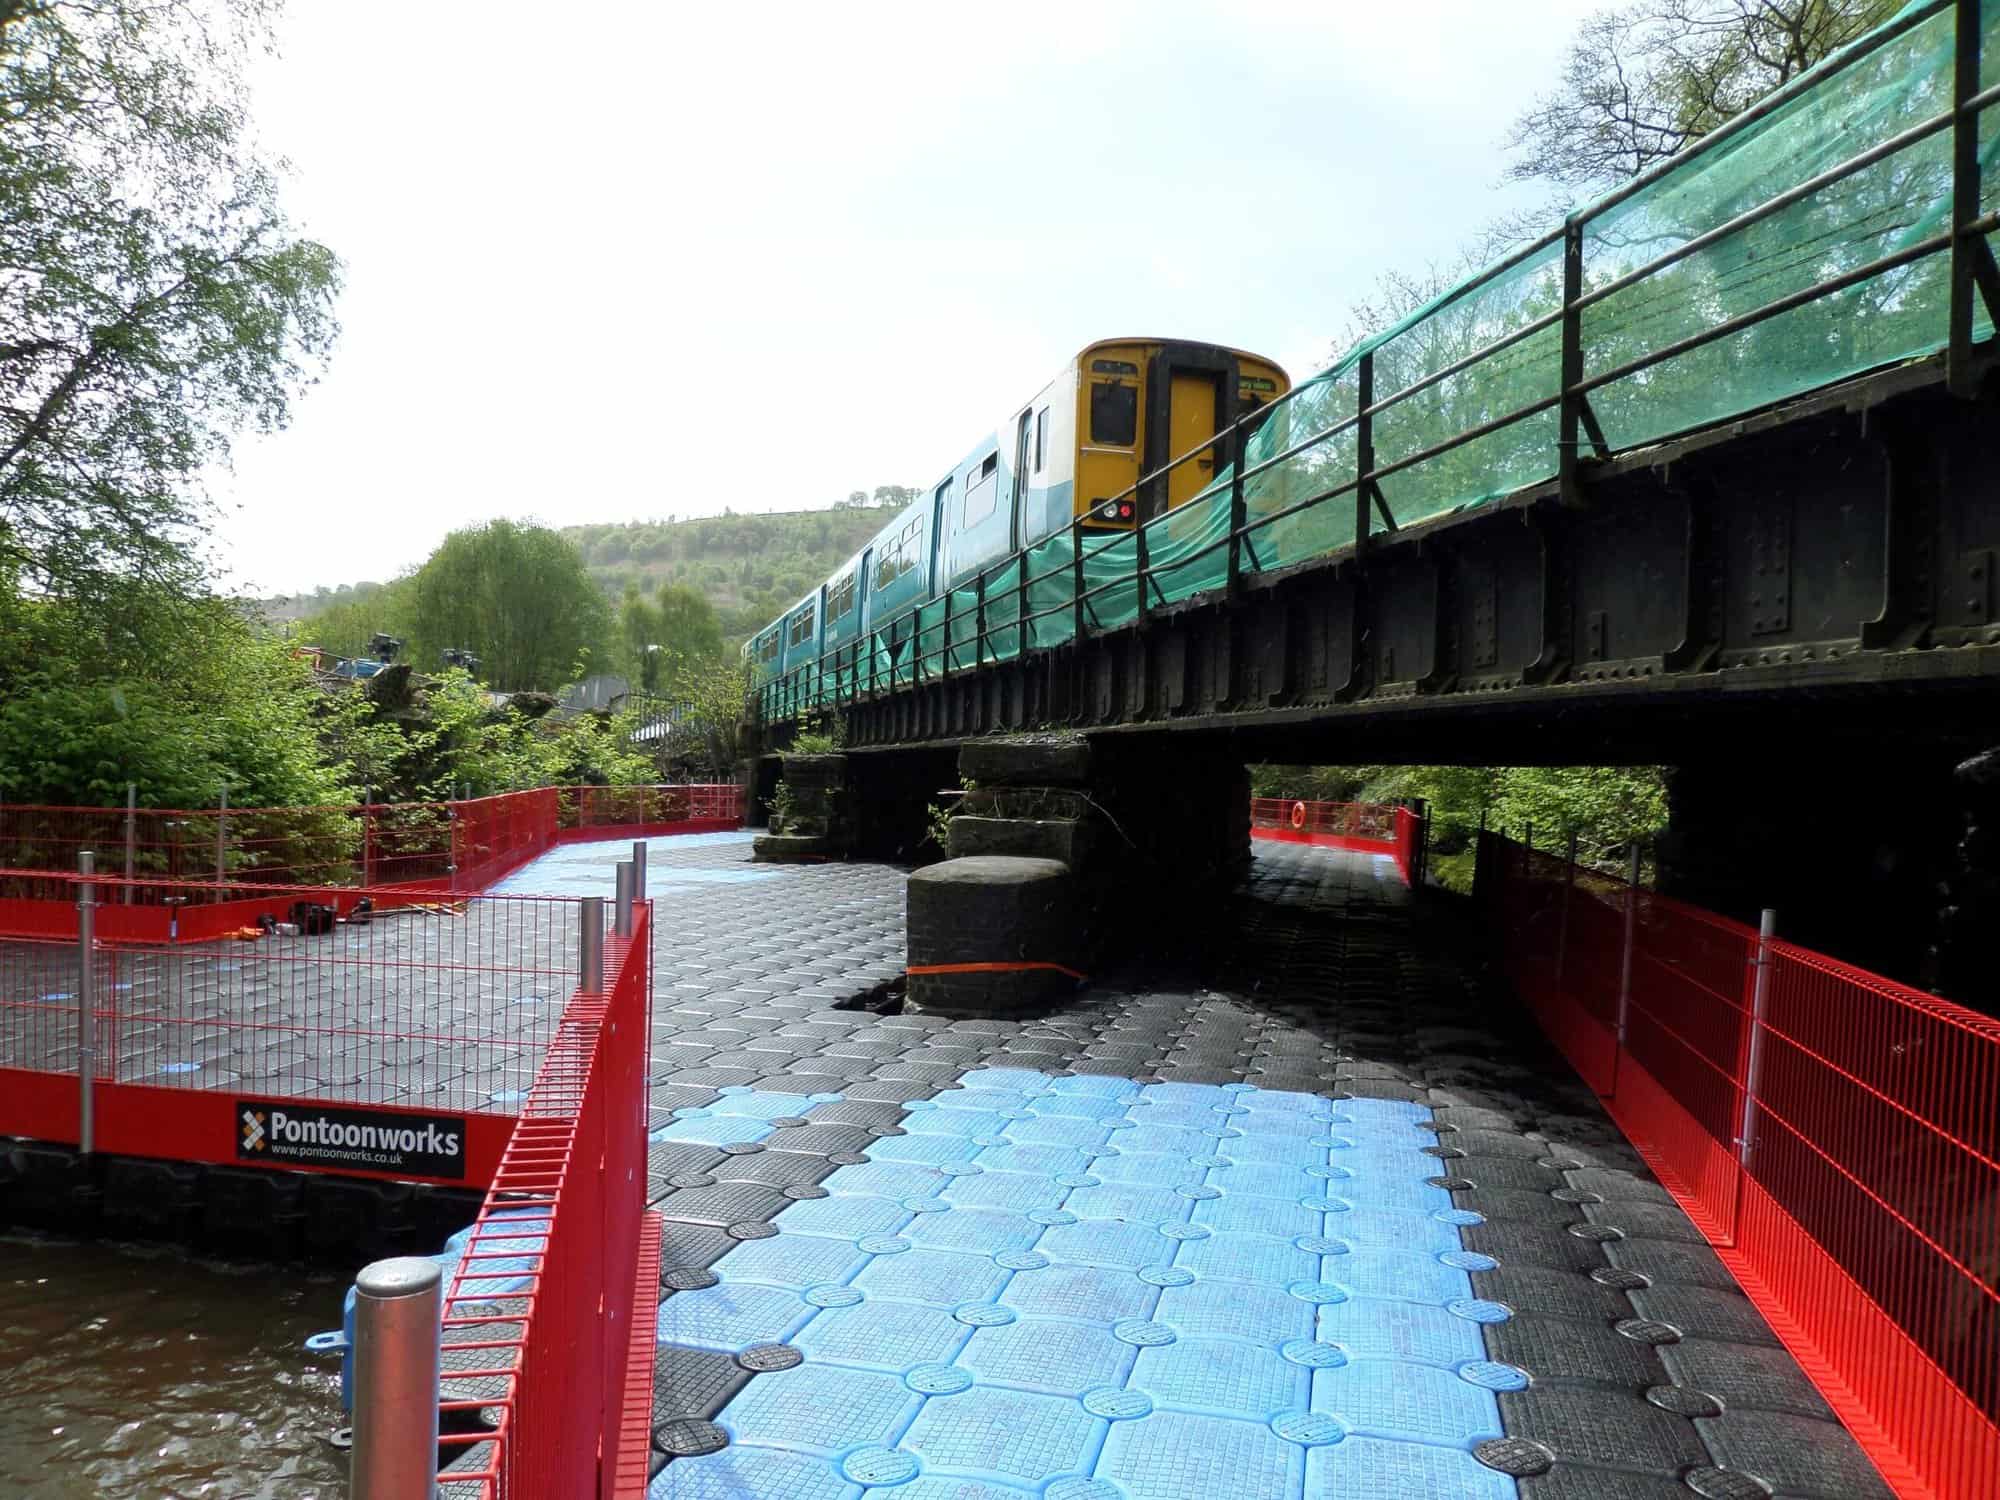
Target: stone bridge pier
[[1046, 855]]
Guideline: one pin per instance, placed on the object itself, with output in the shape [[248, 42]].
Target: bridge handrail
[[1157, 560]]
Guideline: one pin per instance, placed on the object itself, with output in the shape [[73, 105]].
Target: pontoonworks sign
[[360, 1140]]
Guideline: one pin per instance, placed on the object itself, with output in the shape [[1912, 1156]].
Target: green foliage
[[657, 643], [517, 595], [348, 619], [815, 742], [154, 301], [707, 742], [749, 568], [463, 742], [181, 696], [782, 808]]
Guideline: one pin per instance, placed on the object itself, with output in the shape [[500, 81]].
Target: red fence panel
[[1365, 827], [546, 1299], [203, 875], [425, 1010], [1834, 1134]]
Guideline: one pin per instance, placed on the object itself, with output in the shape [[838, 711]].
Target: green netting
[[1889, 206], [1301, 504]]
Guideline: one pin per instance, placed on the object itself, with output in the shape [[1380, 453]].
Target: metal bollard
[[86, 1007], [397, 1306], [638, 869], [590, 975], [621, 911]]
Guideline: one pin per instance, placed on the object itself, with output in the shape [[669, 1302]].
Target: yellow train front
[[1120, 411]]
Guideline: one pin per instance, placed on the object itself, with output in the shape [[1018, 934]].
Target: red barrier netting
[[547, 1388], [442, 1007], [199, 875], [1365, 827], [1834, 1134]]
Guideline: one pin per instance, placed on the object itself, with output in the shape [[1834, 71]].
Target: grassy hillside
[[748, 567]]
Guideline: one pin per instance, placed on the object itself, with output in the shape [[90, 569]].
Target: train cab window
[[1041, 440], [982, 490], [1114, 414], [840, 598], [802, 627]]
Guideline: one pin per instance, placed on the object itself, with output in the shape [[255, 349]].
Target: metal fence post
[[1076, 534], [621, 911], [397, 1306], [221, 839], [1239, 517], [1753, 1052], [1625, 963], [1568, 409], [1364, 447], [86, 1008], [1971, 262], [590, 975], [367, 835], [638, 869], [131, 834], [1021, 598], [1562, 931], [979, 622]]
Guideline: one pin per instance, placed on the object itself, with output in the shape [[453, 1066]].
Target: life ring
[[1298, 815]]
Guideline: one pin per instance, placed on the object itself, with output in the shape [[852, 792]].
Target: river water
[[140, 1374]]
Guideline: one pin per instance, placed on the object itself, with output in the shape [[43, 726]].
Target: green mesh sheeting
[[1301, 465]]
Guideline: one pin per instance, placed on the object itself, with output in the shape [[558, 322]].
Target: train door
[[1194, 415], [1024, 458], [940, 513], [1190, 396]]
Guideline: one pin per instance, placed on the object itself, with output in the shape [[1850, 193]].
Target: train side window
[[901, 557], [840, 598], [767, 648], [982, 490], [802, 626], [1114, 414], [1041, 440]]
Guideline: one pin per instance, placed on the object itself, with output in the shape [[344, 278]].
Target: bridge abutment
[[1891, 862]]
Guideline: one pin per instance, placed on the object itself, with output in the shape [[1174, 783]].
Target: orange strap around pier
[[994, 968]]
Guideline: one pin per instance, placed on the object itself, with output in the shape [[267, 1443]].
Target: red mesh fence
[[439, 1007], [1366, 827], [1834, 1134], [546, 1305], [226, 858]]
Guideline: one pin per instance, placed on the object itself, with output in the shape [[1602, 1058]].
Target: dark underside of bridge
[[1797, 612]]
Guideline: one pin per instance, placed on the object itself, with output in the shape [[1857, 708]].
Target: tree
[[517, 596], [1649, 79], [154, 300], [688, 627]]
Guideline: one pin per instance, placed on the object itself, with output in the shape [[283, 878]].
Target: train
[[1120, 410]]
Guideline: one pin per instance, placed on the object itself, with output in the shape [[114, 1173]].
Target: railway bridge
[[1706, 477]]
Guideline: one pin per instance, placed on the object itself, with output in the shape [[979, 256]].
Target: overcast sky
[[634, 260]]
